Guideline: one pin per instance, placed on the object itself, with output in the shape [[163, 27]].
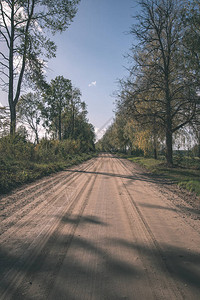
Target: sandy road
[[102, 230]]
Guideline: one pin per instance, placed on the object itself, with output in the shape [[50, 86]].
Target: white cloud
[[93, 83]]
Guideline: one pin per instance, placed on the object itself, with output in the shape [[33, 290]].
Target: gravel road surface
[[100, 230]]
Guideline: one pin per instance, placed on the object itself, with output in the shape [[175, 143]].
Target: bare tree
[[24, 44], [161, 88]]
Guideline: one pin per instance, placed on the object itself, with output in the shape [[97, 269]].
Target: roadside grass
[[14, 173], [185, 173]]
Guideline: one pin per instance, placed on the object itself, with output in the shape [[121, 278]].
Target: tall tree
[[191, 18], [75, 108], [191, 38], [56, 100], [29, 109], [161, 88], [24, 44]]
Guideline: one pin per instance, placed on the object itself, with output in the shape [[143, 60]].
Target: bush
[[46, 151], [16, 147], [54, 150], [22, 162]]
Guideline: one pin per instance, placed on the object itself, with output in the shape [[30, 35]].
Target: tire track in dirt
[[14, 276], [63, 235], [35, 200], [170, 288], [169, 192], [19, 198], [105, 235], [164, 253]]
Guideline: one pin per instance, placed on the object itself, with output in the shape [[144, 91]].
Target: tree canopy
[[162, 88], [24, 44]]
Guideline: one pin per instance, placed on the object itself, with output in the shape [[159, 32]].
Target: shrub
[[16, 147]]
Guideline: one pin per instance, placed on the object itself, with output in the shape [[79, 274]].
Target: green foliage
[[16, 148], [22, 162], [149, 163], [64, 113], [24, 41], [191, 17], [160, 92], [186, 175], [29, 107], [115, 139], [191, 185], [4, 121], [53, 150], [56, 100]]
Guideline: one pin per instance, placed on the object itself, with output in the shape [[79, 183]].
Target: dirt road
[[102, 230]]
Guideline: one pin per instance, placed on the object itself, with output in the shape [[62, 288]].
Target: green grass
[[186, 173], [149, 163], [15, 173], [191, 185]]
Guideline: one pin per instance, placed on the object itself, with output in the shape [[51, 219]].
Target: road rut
[[100, 230]]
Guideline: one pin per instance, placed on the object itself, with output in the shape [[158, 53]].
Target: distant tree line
[[160, 98]]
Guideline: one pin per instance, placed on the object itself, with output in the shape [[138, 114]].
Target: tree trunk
[[11, 99], [155, 153], [12, 120], [73, 123], [154, 140], [37, 137], [169, 153], [59, 127], [11, 76]]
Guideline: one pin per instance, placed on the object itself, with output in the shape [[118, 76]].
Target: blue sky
[[91, 50]]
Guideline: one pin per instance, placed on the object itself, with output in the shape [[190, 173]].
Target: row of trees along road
[[24, 45], [160, 96]]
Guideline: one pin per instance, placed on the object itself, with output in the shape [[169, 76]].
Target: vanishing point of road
[[100, 230]]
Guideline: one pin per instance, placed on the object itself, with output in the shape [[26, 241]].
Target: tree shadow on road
[[195, 212], [76, 219], [76, 274], [138, 176], [181, 263], [91, 270]]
